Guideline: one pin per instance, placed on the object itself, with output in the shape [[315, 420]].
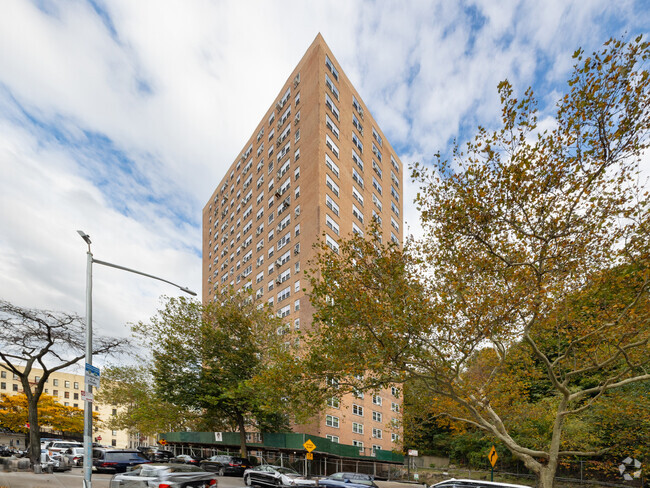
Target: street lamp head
[[84, 236], [187, 290]]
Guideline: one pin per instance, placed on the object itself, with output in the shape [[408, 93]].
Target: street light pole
[[88, 407]]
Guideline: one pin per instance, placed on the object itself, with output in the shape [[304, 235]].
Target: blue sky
[[120, 117]]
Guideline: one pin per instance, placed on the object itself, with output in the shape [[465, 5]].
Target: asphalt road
[[74, 479]]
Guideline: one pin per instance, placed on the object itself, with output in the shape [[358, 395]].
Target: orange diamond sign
[[309, 445], [493, 456]]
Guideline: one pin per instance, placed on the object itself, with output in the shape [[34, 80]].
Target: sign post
[[492, 456], [309, 447]]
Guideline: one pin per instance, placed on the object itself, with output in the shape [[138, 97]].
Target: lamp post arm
[[123, 268]]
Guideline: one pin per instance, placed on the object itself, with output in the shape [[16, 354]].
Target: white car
[[269, 475]]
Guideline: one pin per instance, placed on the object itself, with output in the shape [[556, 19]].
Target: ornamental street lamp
[[88, 411]]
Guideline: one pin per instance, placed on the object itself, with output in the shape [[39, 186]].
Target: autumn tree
[[14, 414], [535, 239], [204, 358], [47, 342]]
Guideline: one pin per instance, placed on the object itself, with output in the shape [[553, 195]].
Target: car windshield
[[286, 471]]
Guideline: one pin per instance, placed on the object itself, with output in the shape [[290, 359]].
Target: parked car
[[463, 483], [60, 446], [157, 455], [74, 455], [116, 460], [185, 459], [164, 474], [222, 465], [54, 461], [348, 480], [269, 475]]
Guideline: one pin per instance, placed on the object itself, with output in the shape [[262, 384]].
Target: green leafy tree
[[534, 238], [46, 340], [205, 358], [143, 411]]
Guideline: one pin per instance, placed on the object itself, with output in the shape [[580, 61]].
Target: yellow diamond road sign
[[309, 456], [492, 456], [309, 445]]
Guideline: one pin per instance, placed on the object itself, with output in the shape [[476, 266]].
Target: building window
[[76, 396], [113, 432], [333, 438], [376, 399], [330, 66], [376, 433], [358, 444], [332, 421], [3, 374], [3, 386], [376, 416], [66, 394], [394, 407], [333, 402], [332, 165], [394, 437], [55, 393], [76, 385], [331, 185], [357, 428], [55, 382], [15, 387], [331, 204], [113, 442], [114, 411], [331, 224], [331, 243], [357, 410], [67, 384]]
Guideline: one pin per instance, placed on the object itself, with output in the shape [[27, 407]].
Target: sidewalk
[[69, 479]]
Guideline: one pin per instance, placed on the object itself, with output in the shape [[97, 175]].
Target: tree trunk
[[34, 433], [242, 435], [547, 476]]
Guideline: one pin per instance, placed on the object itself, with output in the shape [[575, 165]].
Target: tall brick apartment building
[[316, 166]]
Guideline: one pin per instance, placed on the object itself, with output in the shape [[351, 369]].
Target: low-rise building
[[66, 388]]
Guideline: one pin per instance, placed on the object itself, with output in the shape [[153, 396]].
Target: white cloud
[[123, 129]]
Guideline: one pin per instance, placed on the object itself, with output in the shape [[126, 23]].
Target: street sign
[[86, 396], [413, 452], [92, 375], [309, 456], [218, 437], [99, 438], [162, 442], [309, 445], [493, 456]]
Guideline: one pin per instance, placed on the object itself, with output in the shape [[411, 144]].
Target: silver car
[[167, 474], [269, 475]]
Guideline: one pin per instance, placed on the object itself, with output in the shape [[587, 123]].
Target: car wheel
[[248, 481], [222, 471]]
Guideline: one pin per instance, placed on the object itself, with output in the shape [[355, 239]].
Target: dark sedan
[[348, 480], [222, 465], [116, 460]]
